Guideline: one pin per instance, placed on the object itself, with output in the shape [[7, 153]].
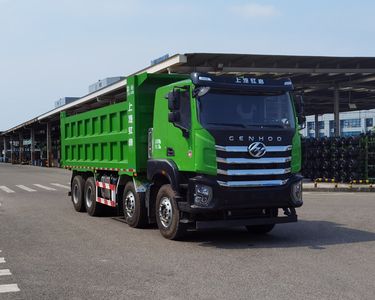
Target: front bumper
[[229, 198], [244, 222]]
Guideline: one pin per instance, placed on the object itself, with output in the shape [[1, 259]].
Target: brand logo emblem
[[250, 138], [257, 149]]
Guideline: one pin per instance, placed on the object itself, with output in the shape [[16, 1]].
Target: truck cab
[[229, 151]]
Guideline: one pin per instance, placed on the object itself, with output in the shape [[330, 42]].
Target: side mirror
[[300, 105], [179, 109], [174, 100], [301, 121], [300, 109], [174, 117]]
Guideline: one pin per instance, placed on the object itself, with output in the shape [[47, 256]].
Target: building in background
[[103, 83], [65, 100], [351, 123]]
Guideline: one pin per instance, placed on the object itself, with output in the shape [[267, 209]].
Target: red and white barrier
[[107, 186], [110, 202], [106, 201]]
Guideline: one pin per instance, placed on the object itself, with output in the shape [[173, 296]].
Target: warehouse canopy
[[316, 77], [321, 79]]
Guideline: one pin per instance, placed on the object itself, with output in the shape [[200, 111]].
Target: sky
[[51, 49]]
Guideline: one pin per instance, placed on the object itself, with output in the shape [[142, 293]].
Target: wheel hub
[[165, 212], [75, 194], [129, 204], [88, 197]]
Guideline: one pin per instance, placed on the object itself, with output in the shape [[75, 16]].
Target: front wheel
[[264, 229], [260, 229], [168, 215]]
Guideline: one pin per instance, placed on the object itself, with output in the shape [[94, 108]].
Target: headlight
[[297, 193], [202, 195]]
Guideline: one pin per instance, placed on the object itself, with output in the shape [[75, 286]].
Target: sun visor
[[241, 82]]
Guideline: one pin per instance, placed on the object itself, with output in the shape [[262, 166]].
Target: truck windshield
[[225, 108]]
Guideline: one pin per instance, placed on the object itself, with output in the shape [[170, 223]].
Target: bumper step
[[244, 222]]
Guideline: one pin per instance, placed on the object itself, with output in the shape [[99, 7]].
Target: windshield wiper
[[272, 125], [228, 124], [248, 125]]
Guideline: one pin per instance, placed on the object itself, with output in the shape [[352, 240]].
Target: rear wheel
[[93, 208], [134, 207], [78, 185], [168, 215]]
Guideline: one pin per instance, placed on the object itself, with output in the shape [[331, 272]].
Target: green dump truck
[[189, 151]]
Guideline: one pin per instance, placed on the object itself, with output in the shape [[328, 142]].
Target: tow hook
[[289, 211]]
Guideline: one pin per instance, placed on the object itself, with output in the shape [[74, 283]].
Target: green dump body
[[114, 136]]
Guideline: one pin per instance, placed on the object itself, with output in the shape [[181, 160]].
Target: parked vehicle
[[196, 151]]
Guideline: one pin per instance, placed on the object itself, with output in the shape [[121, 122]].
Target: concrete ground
[[49, 251], [337, 187]]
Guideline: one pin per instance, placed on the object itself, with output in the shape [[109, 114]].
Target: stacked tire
[[341, 159]]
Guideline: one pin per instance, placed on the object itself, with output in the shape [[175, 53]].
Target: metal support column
[[11, 149], [49, 145], [2, 147], [316, 126], [336, 111], [20, 147], [32, 145], [5, 148]]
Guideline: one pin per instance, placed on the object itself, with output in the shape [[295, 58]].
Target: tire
[[93, 208], [260, 229], [134, 207], [168, 215], [77, 187], [263, 229]]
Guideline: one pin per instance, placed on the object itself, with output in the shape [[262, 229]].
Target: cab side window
[[185, 110]]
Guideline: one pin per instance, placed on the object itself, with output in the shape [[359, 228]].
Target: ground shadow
[[306, 233], [122, 220], [314, 234]]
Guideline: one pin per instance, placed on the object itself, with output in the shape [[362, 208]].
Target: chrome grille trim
[[245, 148], [263, 160], [254, 172], [259, 183]]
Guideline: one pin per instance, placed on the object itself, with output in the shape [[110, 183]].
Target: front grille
[[236, 168]]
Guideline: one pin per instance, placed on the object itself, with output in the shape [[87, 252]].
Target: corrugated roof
[[314, 76]]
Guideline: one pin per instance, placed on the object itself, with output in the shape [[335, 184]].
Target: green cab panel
[[168, 140], [205, 158], [296, 163], [193, 153], [296, 153]]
